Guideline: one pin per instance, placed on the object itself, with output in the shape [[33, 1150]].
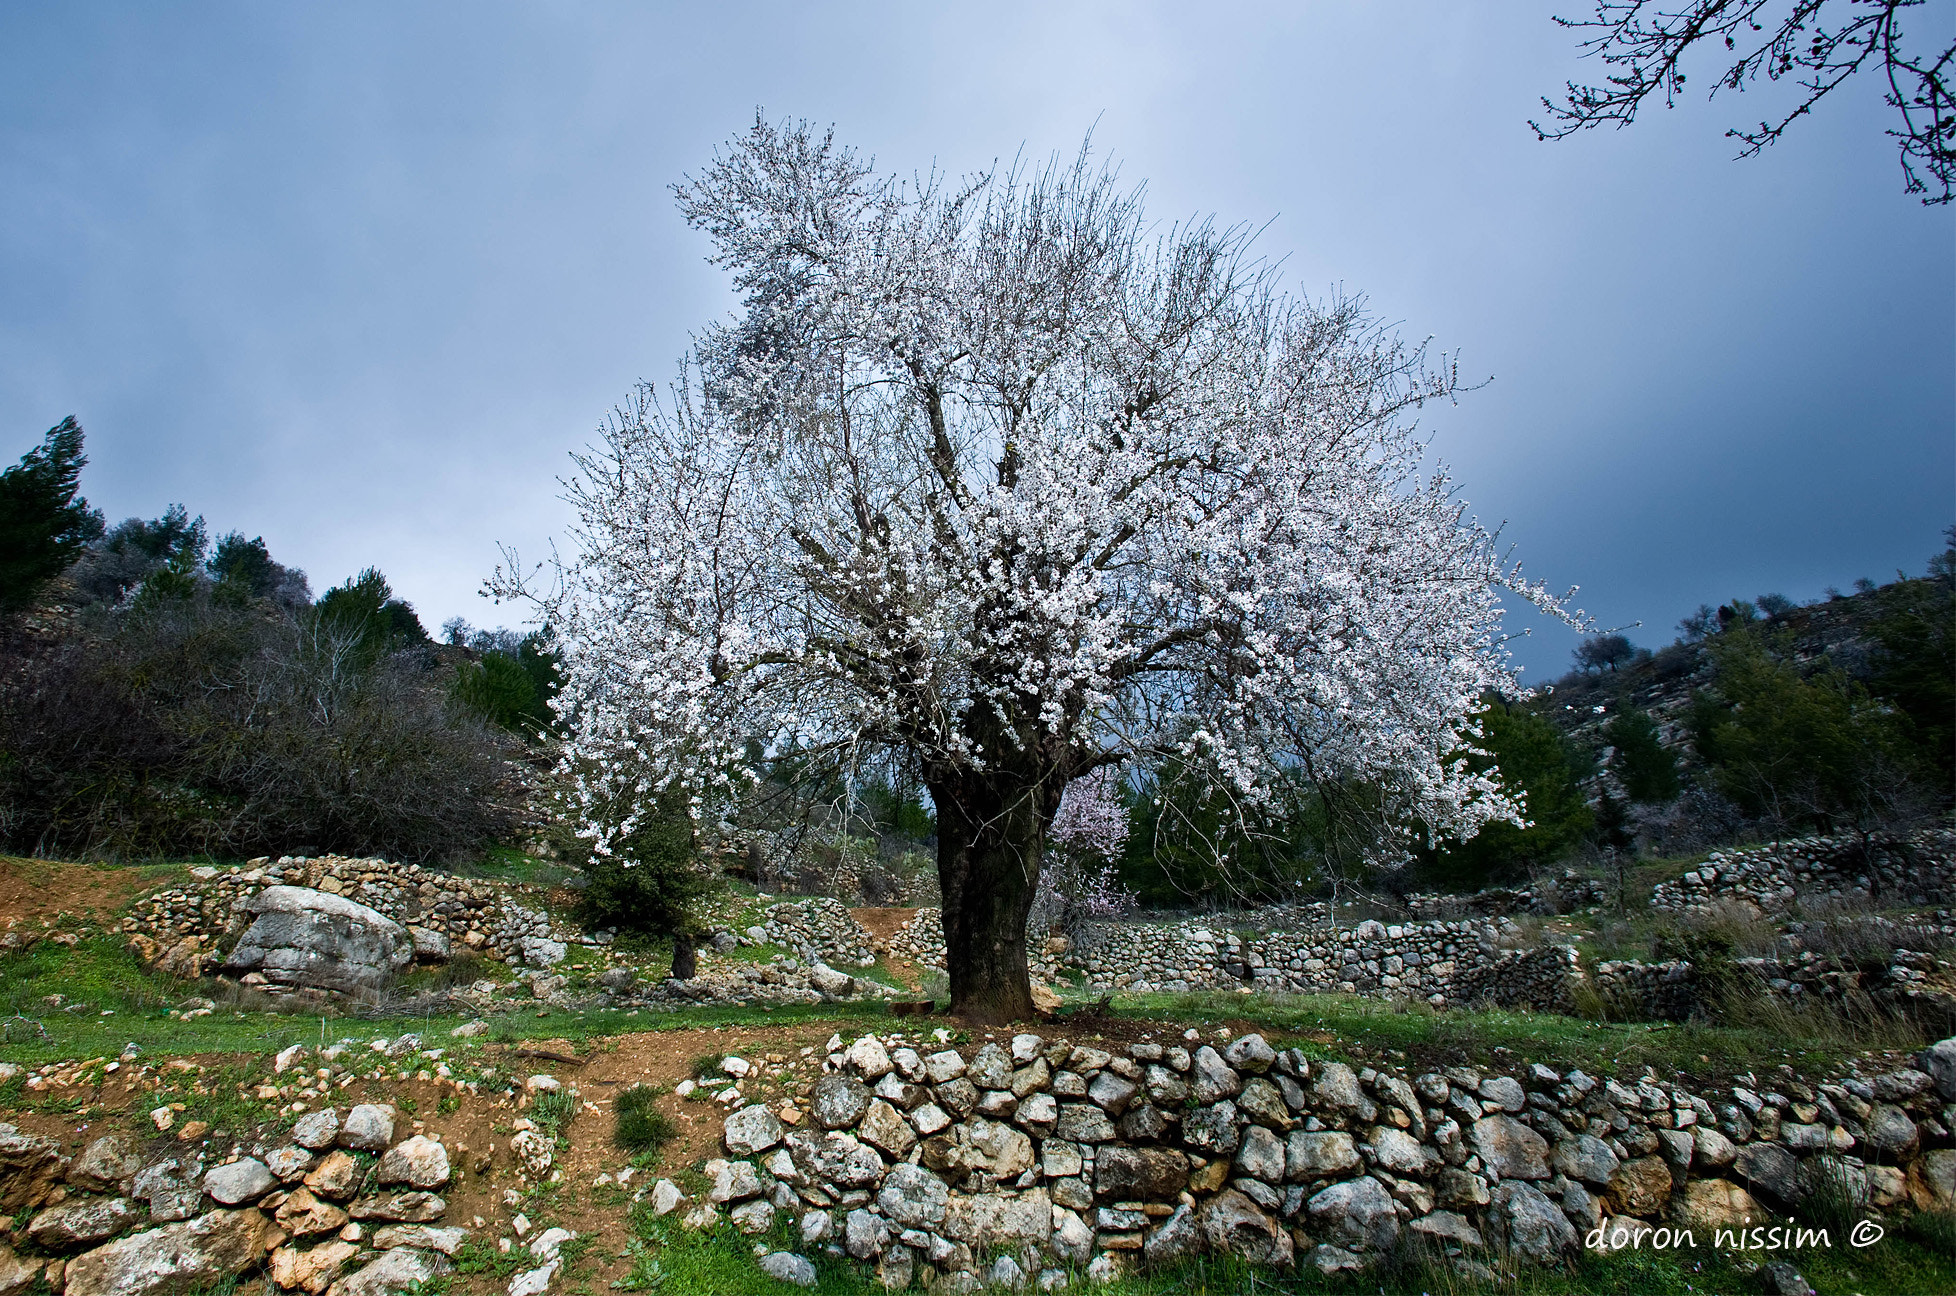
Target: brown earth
[[33, 890]]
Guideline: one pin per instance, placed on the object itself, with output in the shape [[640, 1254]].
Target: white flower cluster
[[996, 474]]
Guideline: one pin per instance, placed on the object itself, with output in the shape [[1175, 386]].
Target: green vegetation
[[1536, 760], [43, 522], [641, 1126], [1647, 768], [651, 882]]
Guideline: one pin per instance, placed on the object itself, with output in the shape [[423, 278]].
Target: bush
[[641, 1127], [188, 725], [650, 883]]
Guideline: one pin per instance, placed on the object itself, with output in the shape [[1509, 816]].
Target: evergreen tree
[[1648, 769], [651, 882], [1534, 759], [365, 605], [44, 524]]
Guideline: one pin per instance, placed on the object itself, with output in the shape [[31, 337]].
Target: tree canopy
[[994, 474], [44, 523]]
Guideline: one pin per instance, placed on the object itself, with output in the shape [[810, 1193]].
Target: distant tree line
[[164, 695]]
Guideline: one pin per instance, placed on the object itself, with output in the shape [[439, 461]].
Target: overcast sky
[[359, 277]]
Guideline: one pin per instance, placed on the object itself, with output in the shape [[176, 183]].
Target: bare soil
[[33, 890], [882, 924]]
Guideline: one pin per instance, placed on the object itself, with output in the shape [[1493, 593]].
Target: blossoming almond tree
[[1000, 477]]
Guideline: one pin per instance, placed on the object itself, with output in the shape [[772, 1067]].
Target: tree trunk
[[991, 831], [684, 964]]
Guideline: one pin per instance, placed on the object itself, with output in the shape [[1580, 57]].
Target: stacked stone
[[921, 941], [1543, 978], [1046, 1153], [1667, 991], [1774, 877], [1566, 895], [441, 910], [819, 929], [111, 1222]]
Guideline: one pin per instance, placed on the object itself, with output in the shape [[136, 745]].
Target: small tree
[[44, 524], [1647, 768], [649, 881], [1535, 760], [1605, 651], [1080, 884]]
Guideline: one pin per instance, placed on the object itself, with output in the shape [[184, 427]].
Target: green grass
[[1351, 1026], [507, 864], [641, 1127]]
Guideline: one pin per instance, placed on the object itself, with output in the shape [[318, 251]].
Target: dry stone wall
[[1774, 878], [954, 1168]]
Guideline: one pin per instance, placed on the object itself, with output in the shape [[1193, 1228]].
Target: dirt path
[[881, 924]]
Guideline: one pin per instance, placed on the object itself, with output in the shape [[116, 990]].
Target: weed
[[1837, 1195], [448, 1105], [1934, 1229], [707, 1066], [480, 1256], [551, 1112], [641, 1126]]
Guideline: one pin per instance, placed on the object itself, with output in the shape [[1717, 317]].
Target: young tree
[[43, 522], [994, 474], [1818, 44], [1648, 769], [1605, 651]]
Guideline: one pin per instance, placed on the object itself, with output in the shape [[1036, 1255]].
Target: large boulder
[[76, 1224], [302, 937], [175, 1258], [1510, 1148]]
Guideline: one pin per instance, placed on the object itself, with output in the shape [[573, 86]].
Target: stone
[[1932, 1181], [418, 1162], [1175, 1237], [787, 1267], [407, 1208], [1711, 1148], [752, 1130], [991, 1068], [1261, 1155], [1038, 1113], [31, 1170], [944, 1067], [544, 1246], [368, 1128], [913, 1196], [1319, 1155], [1261, 1102], [841, 1158], [1715, 1204], [1890, 1133], [1004, 1151], [1401, 1153], [838, 1102], [430, 946], [868, 1058], [1641, 1187], [1527, 1224], [1584, 1157], [242, 1181], [989, 1220], [301, 1215], [1212, 1079], [106, 1164], [1446, 1226], [1136, 1174], [426, 1237], [289, 1163], [76, 1224], [1771, 1169], [535, 1150], [1510, 1148], [1083, 1123], [1233, 1224], [1358, 1211], [1006, 1273], [1782, 1279], [1460, 1189], [1938, 1062], [173, 1258], [1212, 1129], [1112, 1093], [1337, 1087], [732, 1181], [755, 1216], [1250, 1053], [1072, 1238], [1329, 1260], [542, 952], [1503, 1093], [395, 1272], [336, 1176], [666, 1197], [171, 1187], [318, 1130], [817, 1226], [864, 1235], [884, 1126], [16, 1275], [314, 939], [310, 1271]]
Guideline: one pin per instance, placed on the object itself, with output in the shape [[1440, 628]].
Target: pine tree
[[43, 523]]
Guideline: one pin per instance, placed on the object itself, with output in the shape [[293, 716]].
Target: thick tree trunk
[[684, 962], [991, 832]]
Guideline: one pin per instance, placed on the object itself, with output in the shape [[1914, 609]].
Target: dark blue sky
[[357, 277]]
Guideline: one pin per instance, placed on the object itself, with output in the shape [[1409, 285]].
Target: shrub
[[642, 1127]]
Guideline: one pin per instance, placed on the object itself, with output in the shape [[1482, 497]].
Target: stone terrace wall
[[817, 928], [1564, 895], [1774, 877], [960, 1167], [440, 910]]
